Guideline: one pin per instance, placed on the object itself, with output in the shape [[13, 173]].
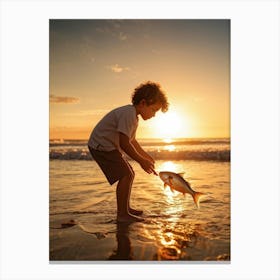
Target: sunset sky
[[96, 64]]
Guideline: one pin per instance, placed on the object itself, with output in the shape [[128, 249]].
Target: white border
[[255, 138]]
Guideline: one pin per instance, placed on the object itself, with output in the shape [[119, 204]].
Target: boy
[[115, 133]]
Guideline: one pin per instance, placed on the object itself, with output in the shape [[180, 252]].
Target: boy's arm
[[130, 150], [139, 149]]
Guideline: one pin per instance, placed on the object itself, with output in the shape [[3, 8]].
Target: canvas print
[[139, 140]]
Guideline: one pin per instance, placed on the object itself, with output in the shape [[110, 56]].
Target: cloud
[[86, 49], [116, 68], [103, 29], [122, 36], [112, 28], [64, 99]]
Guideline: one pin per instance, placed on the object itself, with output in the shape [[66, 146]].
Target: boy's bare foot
[[135, 212], [129, 218]]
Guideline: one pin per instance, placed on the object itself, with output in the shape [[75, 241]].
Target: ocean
[[82, 205]]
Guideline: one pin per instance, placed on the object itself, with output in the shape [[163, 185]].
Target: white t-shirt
[[105, 135]]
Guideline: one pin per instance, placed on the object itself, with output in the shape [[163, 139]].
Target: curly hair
[[152, 93]]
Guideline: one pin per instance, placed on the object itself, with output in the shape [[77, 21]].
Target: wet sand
[[125, 243], [83, 216]]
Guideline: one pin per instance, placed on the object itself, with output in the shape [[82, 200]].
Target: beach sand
[[83, 215]]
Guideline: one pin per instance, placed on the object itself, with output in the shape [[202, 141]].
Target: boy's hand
[[148, 166], [150, 158], [146, 161]]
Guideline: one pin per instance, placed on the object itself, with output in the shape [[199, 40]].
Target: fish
[[176, 182]]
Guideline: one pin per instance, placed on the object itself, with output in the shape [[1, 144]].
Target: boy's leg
[[123, 193], [131, 210], [116, 168]]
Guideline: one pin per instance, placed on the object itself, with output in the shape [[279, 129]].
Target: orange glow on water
[[167, 140], [168, 166], [169, 148]]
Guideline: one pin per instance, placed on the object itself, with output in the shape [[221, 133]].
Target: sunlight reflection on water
[[167, 239], [170, 166], [169, 148]]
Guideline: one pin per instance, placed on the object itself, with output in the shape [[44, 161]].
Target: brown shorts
[[112, 163]]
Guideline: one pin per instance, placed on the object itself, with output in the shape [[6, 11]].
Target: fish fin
[[165, 185], [170, 183], [196, 197], [170, 180]]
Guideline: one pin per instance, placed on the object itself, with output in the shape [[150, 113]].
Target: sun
[[168, 125]]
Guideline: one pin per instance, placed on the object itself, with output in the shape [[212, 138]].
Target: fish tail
[[196, 197]]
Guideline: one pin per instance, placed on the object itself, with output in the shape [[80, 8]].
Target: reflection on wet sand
[[123, 251]]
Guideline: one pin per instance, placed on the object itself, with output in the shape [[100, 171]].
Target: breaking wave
[[216, 149]]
